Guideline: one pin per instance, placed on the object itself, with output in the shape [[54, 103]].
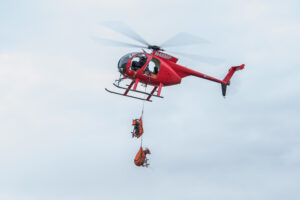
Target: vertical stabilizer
[[226, 80]]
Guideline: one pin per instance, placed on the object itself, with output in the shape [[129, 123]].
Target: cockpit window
[[138, 62], [123, 62]]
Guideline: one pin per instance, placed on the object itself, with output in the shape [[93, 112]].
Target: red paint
[[125, 93], [170, 73], [152, 92], [136, 83], [159, 89]]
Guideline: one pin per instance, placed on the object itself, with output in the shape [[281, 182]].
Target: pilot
[[143, 60], [136, 65]]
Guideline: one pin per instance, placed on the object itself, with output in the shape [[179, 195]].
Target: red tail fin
[[226, 80]]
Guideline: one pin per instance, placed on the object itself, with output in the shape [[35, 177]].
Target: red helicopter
[[156, 68]]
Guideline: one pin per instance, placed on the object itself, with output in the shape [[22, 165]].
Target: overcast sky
[[63, 137]]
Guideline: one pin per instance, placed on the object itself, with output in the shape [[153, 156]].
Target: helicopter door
[[152, 68]]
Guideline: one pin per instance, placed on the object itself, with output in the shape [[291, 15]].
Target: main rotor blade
[[124, 29], [204, 59], [183, 39], [115, 43]]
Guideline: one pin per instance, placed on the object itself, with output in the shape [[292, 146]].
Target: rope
[[143, 112], [144, 101]]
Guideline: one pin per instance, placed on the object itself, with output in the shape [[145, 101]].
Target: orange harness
[[138, 132], [140, 157]]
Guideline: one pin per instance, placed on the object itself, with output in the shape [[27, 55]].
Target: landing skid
[[126, 95], [134, 84], [136, 91]]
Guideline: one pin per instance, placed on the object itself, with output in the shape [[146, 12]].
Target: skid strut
[[133, 85], [138, 90]]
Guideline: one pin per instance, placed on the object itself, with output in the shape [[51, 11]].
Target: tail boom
[[183, 72]]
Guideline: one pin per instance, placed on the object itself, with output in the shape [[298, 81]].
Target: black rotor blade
[[204, 59], [183, 39], [124, 29], [115, 43]]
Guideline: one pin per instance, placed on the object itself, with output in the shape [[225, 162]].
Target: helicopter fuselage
[[159, 69]]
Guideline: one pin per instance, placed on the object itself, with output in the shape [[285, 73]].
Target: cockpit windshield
[[123, 62]]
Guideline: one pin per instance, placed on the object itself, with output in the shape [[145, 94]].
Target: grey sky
[[63, 137]]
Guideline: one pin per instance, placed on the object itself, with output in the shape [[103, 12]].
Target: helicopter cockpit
[[137, 62]]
